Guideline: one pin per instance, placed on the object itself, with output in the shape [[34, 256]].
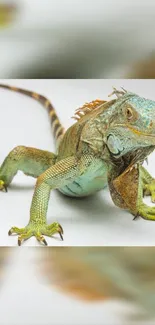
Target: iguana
[[107, 145]]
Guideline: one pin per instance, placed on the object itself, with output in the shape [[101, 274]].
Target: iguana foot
[[33, 229], [149, 189], [146, 212], [3, 187]]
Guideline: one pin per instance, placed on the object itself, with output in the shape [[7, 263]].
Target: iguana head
[[131, 124]]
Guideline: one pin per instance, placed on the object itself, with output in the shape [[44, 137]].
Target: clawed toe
[[15, 230], [37, 231], [41, 239], [146, 212], [136, 217], [149, 189], [55, 228], [3, 186]]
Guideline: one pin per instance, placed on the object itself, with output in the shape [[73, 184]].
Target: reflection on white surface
[[27, 298]]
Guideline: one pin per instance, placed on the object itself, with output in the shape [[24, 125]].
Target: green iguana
[[107, 145]]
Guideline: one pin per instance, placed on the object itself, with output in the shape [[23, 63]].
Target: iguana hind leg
[[31, 161]]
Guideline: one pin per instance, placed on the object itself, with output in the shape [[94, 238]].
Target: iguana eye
[[129, 113]]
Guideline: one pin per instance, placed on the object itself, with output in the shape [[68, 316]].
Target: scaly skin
[[107, 145]]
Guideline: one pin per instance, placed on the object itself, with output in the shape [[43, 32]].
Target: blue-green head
[[131, 124]]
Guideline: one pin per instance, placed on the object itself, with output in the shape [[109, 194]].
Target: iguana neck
[[118, 166]]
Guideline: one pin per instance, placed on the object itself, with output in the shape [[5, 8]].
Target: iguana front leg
[[130, 187], [31, 161], [57, 176], [149, 184]]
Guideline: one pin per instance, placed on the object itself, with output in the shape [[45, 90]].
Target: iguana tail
[[57, 127]]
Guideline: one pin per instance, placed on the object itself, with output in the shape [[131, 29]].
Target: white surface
[[92, 221]]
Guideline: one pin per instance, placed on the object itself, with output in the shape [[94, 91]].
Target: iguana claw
[[146, 212], [136, 217], [3, 186]]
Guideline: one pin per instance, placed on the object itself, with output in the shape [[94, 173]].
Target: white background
[[90, 221]]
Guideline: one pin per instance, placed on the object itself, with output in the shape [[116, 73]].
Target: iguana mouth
[[138, 156]]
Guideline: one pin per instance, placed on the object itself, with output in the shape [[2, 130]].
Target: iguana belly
[[93, 180]]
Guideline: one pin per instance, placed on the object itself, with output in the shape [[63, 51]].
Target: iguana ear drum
[[114, 144], [129, 113]]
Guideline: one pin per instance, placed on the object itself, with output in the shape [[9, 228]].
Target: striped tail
[[57, 127]]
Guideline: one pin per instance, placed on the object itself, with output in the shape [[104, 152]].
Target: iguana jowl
[[107, 145]]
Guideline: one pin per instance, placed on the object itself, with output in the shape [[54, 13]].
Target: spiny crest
[[118, 93], [87, 108]]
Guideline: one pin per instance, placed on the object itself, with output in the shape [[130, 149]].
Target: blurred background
[[77, 39], [102, 286]]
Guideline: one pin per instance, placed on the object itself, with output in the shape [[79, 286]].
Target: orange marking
[[52, 112], [13, 88], [58, 130], [56, 122], [87, 108], [136, 131], [35, 95], [47, 103]]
